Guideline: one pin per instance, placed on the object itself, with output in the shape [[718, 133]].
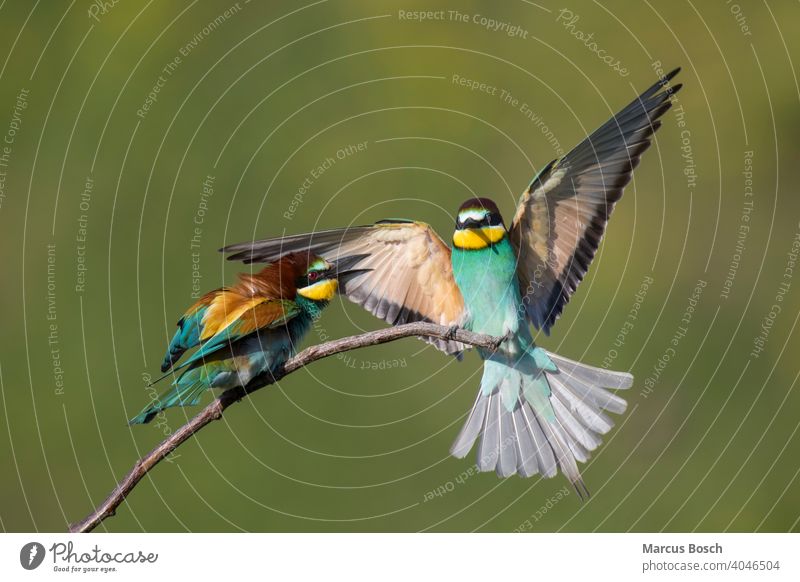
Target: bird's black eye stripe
[[495, 219], [318, 275]]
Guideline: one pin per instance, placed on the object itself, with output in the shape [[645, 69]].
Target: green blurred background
[[261, 96]]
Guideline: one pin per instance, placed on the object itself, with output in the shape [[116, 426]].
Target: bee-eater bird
[[535, 411], [247, 330]]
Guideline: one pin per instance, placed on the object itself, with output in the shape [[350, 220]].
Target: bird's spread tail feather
[[540, 413], [186, 394]]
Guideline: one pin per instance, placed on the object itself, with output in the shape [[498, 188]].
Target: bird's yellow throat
[[321, 291], [478, 238]]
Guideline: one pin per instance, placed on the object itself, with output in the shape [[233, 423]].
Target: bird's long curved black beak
[[344, 270]]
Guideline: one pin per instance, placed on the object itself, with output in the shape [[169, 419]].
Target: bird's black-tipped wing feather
[[562, 215]]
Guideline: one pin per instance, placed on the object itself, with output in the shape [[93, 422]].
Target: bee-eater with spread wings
[[535, 411], [247, 330]]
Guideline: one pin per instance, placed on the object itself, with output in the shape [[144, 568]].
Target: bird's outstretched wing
[[562, 215], [408, 275]]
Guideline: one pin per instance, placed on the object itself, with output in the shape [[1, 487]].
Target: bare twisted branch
[[215, 410]]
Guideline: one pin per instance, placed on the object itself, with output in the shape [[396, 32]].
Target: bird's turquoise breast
[[488, 281]]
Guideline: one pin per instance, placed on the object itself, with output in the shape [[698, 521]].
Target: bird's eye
[[312, 276]]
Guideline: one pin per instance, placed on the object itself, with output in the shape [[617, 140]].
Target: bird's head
[[320, 279], [317, 281], [478, 225]]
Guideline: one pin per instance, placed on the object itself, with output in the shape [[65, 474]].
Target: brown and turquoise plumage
[[247, 330]]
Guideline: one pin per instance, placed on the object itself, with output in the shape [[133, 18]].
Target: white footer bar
[[353, 557]]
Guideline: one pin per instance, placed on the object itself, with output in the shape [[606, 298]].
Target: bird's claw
[[500, 340], [451, 332]]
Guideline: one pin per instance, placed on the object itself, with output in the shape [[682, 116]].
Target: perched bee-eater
[[248, 330], [535, 411]]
